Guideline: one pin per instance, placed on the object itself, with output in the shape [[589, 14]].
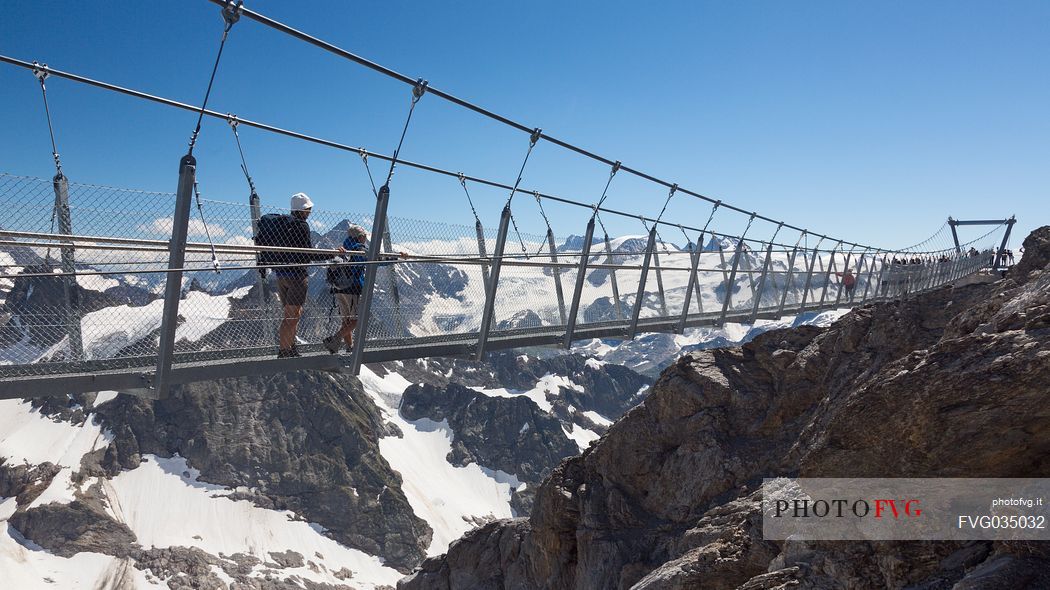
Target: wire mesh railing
[[81, 286]]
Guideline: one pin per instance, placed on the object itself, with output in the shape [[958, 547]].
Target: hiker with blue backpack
[[346, 282]]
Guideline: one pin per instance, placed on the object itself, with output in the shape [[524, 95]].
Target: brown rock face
[[949, 384]]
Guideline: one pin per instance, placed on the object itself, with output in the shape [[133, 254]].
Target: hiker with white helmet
[[346, 282], [290, 231]]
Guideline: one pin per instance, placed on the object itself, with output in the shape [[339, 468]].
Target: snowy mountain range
[[303, 479]]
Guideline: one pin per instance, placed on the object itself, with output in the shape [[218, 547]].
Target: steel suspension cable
[[417, 93], [230, 14], [368, 169], [232, 120], [521, 172], [286, 29], [41, 73], [463, 183], [207, 232], [300, 136]]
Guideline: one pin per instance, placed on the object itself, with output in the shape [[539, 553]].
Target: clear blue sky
[[872, 119]]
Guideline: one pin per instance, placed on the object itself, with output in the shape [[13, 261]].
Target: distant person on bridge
[[346, 282], [849, 282], [290, 231]]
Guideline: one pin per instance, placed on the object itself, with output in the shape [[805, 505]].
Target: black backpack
[[344, 278], [276, 229]]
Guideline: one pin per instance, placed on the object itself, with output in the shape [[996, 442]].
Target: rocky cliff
[[951, 383]]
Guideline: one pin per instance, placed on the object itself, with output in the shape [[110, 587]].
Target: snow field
[[447, 497]]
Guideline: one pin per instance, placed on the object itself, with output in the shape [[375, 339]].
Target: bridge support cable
[[552, 249], [231, 13], [613, 283], [514, 190], [60, 212], [731, 279], [207, 232], [490, 293], [762, 277], [255, 208], [479, 229], [581, 273]]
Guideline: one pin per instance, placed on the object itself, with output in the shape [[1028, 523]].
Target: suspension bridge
[[117, 289]]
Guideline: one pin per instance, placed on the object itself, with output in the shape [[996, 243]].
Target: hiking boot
[[332, 343]]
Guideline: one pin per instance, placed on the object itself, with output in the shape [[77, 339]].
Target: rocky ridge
[[669, 498]]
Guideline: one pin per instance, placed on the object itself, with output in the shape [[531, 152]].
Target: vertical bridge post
[[612, 279], [691, 285], [388, 248], [70, 309], [256, 212], [640, 297], [761, 283], [789, 280], [480, 231], [367, 293], [730, 280], [173, 279], [809, 276], [659, 280], [577, 292], [827, 276], [557, 275], [1006, 239], [490, 293]]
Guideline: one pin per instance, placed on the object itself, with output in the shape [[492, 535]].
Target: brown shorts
[[292, 290], [347, 305]]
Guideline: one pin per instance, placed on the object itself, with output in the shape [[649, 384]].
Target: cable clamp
[[462, 179], [674, 189], [615, 168], [535, 137], [231, 12], [40, 71], [232, 120], [419, 89]]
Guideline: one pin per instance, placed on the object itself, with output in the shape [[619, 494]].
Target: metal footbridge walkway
[[115, 289]]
